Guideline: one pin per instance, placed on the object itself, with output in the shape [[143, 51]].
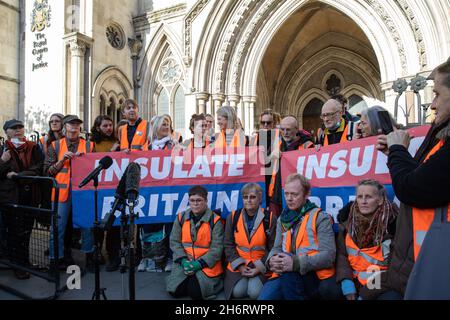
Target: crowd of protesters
[[263, 250]]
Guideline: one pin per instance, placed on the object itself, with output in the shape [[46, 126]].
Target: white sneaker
[[142, 265], [168, 267]]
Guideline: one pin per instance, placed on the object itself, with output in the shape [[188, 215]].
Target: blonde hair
[[157, 123], [304, 182], [230, 114]]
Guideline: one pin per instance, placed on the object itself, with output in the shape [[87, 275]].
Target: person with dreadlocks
[[366, 229]]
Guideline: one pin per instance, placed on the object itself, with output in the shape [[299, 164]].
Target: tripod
[[97, 291], [127, 248]]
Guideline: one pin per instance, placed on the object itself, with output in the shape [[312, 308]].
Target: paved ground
[[149, 285]]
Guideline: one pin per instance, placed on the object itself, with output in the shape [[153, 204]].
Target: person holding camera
[[249, 237], [421, 183], [18, 157], [373, 120]]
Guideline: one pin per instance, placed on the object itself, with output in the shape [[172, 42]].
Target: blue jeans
[[87, 237], [293, 286]]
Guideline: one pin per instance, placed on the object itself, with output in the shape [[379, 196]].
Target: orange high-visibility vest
[[191, 144], [306, 242], [139, 142], [64, 175], [198, 248], [239, 140], [423, 218], [43, 142], [304, 146], [347, 134], [252, 249], [362, 259]]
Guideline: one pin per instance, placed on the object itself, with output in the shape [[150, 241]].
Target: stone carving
[[77, 48], [392, 28], [169, 72], [333, 85], [115, 35], [165, 13], [135, 46], [409, 14], [190, 17], [244, 42]]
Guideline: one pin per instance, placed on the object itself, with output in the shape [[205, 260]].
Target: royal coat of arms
[[40, 16]]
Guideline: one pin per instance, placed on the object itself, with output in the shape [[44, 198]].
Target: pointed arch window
[[179, 110], [163, 102]]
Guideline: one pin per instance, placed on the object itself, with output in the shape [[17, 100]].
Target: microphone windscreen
[[133, 177], [106, 162]]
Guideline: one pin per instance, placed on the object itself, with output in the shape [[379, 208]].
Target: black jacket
[[416, 184]]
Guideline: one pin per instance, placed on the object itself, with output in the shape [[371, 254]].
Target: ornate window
[[163, 102], [115, 35], [178, 110], [169, 72]]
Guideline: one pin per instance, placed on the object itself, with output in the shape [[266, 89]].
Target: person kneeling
[[197, 244], [304, 252]]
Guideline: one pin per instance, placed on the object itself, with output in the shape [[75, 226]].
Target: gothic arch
[[120, 87], [163, 43]]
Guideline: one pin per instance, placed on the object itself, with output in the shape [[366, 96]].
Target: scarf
[[290, 218], [21, 153], [369, 230], [159, 144]]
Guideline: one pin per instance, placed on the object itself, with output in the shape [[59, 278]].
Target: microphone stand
[[97, 291], [132, 264]]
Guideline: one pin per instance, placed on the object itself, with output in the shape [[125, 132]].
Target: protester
[[58, 165], [370, 124], [176, 136], [344, 104], [18, 157], [210, 127], [104, 136], [231, 133], [421, 184], [304, 251], [160, 136], [54, 132], [197, 244], [366, 229], [133, 135], [335, 129], [249, 237], [198, 127]]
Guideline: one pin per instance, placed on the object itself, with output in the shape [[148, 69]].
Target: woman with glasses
[[197, 244], [249, 237]]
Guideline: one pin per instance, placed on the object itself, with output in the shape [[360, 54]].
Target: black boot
[[113, 264], [90, 263]]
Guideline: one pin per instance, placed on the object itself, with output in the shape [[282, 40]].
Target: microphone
[[119, 196], [104, 163], [132, 181]]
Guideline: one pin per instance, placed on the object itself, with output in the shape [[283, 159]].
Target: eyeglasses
[[285, 129], [55, 121], [251, 197], [196, 200], [266, 123], [328, 115]]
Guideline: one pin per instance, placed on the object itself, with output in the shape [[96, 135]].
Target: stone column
[[249, 111], [218, 99], [201, 97], [135, 46], [78, 93], [77, 51]]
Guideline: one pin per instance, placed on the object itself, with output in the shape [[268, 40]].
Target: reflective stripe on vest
[[139, 142], [306, 242], [198, 248], [362, 259], [345, 137], [252, 249], [63, 176], [237, 141], [423, 218]]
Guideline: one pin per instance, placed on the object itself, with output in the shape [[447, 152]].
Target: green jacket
[[209, 286]]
